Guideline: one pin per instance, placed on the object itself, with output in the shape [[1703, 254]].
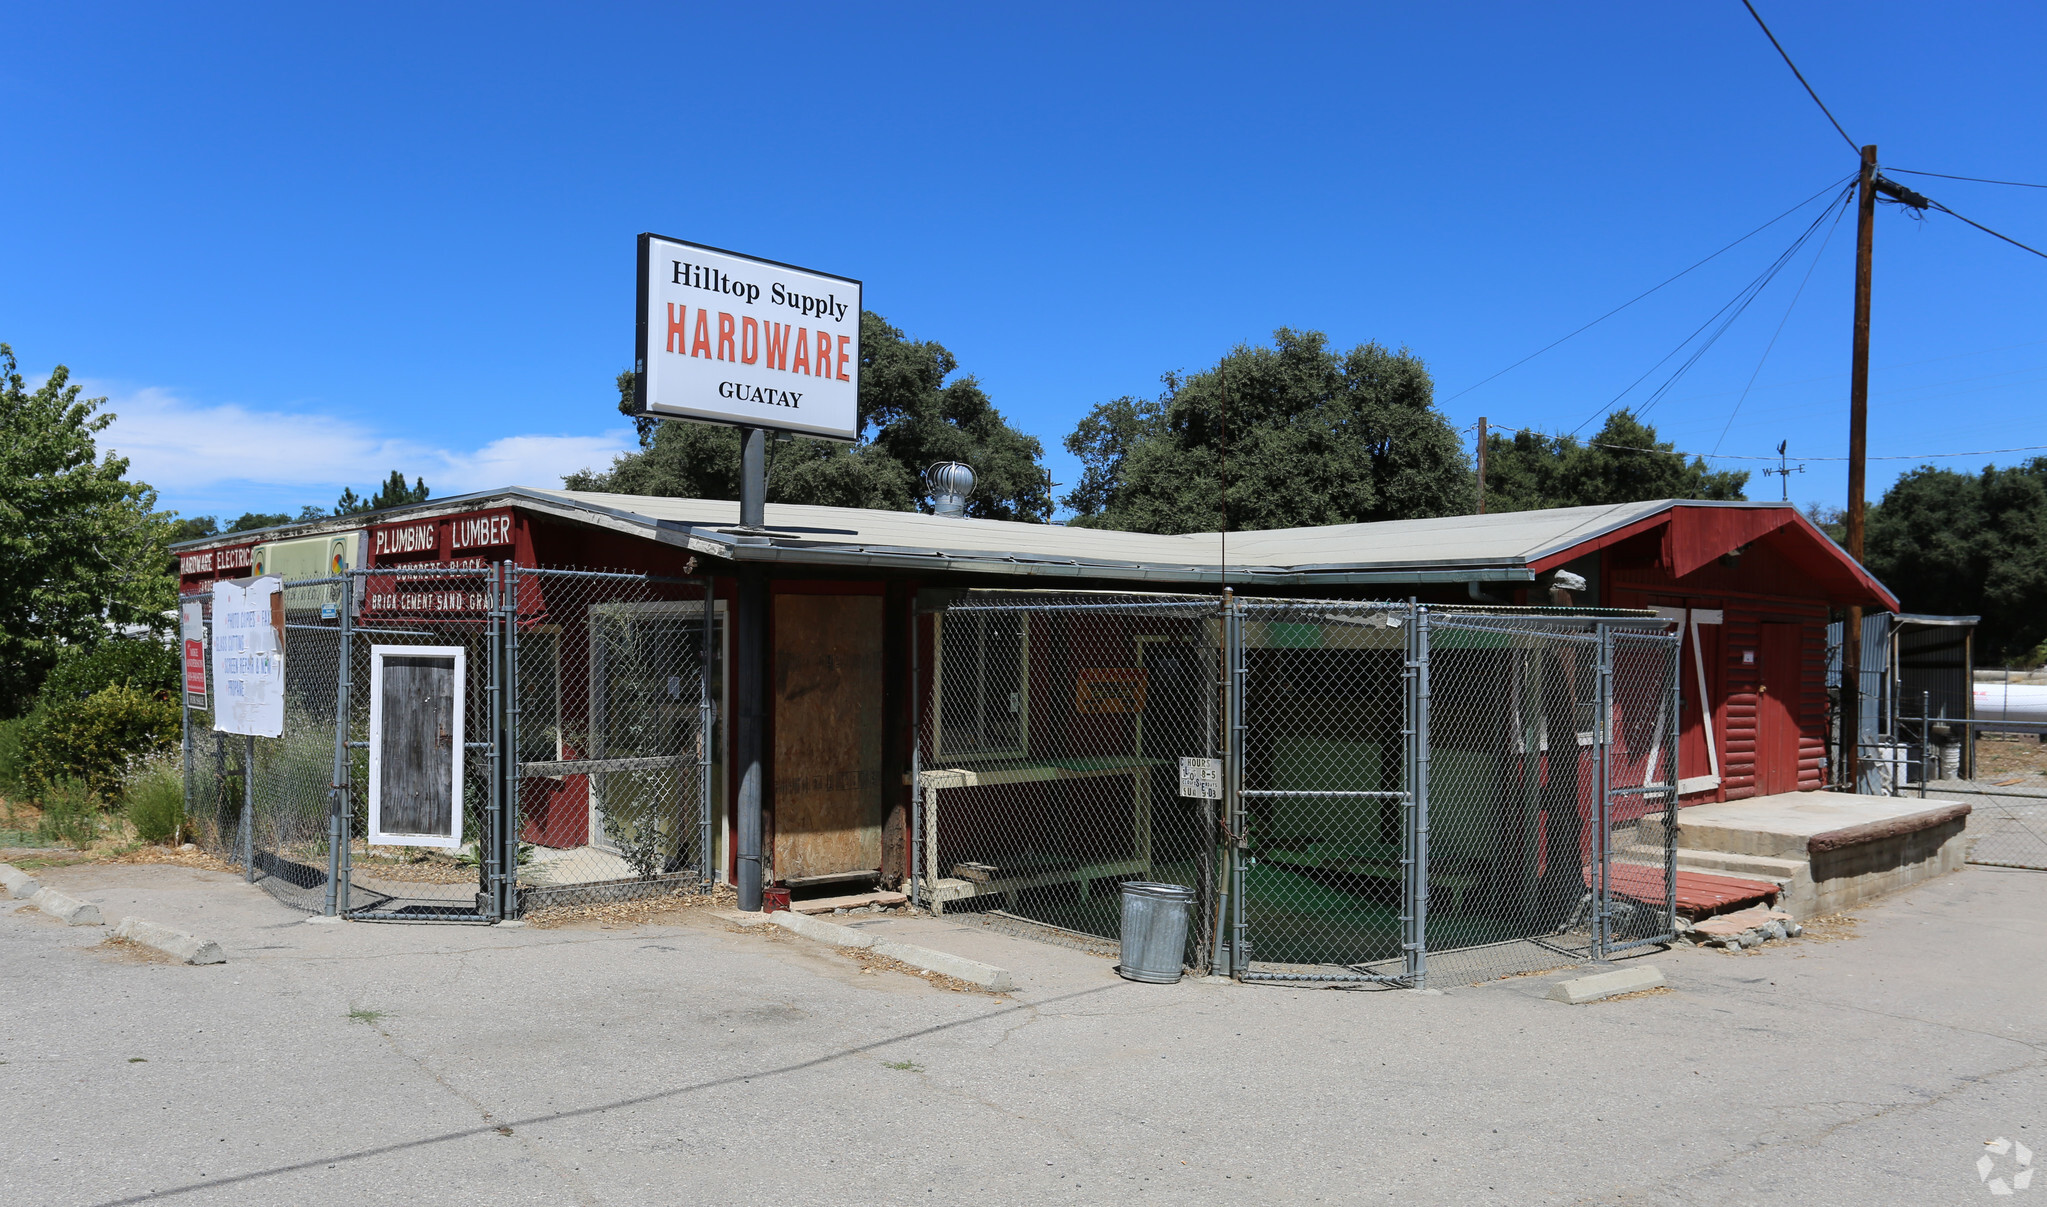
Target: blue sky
[[301, 247]]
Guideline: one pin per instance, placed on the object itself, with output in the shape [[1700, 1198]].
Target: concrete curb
[[19, 884], [170, 942], [1579, 990], [974, 972], [66, 908]]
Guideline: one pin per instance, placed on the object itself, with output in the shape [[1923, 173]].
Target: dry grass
[[1659, 991], [2022, 759], [870, 962], [637, 912], [175, 857], [1831, 929], [127, 952]]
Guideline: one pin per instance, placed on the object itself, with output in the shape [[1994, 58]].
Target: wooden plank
[[828, 752], [825, 905]]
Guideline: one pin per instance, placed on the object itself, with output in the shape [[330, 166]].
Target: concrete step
[[1724, 863]]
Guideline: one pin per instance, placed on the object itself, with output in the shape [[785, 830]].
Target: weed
[[369, 1017], [138, 1060], [903, 1066], [156, 803], [71, 814]]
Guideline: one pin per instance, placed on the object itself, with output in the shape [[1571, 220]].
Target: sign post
[[764, 347]]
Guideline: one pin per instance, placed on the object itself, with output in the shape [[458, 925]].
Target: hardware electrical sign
[[726, 338]]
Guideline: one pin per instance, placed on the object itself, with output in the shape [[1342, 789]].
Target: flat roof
[[1500, 547]]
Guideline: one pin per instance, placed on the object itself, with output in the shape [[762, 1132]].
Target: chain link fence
[[1399, 791], [1048, 762], [465, 743]]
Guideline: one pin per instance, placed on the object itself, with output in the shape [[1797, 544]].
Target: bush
[[147, 666], [11, 786], [155, 802], [71, 814], [96, 739]]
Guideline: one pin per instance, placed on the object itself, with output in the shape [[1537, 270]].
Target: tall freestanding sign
[[726, 338]]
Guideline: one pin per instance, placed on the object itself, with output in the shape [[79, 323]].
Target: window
[[983, 678]]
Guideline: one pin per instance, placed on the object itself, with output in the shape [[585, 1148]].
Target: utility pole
[[1858, 449], [1481, 464]]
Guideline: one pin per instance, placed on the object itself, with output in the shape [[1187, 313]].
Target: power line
[[1674, 452], [1986, 230], [1732, 310], [1852, 145], [1645, 293], [2018, 184], [1771, 346]]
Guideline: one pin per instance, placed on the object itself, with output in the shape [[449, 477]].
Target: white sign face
[[1201, 779], [248, 657], [727, 338]]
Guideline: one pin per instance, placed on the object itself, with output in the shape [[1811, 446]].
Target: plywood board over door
[[1777, 708], [828, 735]]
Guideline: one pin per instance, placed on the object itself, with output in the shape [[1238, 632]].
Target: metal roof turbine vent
[[949, 483]]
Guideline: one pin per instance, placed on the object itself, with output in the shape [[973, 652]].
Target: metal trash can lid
[[1168, 892]]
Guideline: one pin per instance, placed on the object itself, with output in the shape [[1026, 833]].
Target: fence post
[[1673, 733], [916, 761], [490, 845], [337, 792], [249, 808], [1602, 844], [707, 727], [1233, 780], [508, 855], [1415, 921]]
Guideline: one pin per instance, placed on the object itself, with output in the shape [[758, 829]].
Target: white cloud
[[227, 457]]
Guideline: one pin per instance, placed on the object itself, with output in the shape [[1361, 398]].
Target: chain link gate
[[568, 713], [1405, 789]]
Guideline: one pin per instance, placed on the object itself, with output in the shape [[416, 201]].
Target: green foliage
[[911, 416], [155, 802], [1623, 463], [194, 528], [1315, 436], [393, 493], [97, 739], [1831, 520], [11, 785], [83, 551], [148, 666], [71, 814], [1955, 544]]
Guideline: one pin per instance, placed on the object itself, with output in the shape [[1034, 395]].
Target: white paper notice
[[248, 657]]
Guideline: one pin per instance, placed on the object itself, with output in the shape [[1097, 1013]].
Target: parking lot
[[685, 1059]]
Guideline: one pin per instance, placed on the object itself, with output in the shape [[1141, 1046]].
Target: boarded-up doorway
[[416, 745], [828, 736]]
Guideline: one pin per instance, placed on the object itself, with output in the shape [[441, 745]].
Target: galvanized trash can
[[1154, 931]]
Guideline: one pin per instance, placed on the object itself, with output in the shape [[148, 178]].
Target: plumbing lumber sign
[[726, 338]]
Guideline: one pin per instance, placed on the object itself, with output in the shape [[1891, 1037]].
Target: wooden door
[[1777, 718], [418, 732], [828, 735]]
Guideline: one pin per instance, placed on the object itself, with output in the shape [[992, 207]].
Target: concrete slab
[[609, 1061], [1579, 990], [1828, 851], [974, 972], [1783, 826]]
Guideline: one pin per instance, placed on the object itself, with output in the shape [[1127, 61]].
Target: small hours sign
[[726, 338]]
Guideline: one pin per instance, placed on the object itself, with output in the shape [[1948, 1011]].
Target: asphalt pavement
[[692, 1061]]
